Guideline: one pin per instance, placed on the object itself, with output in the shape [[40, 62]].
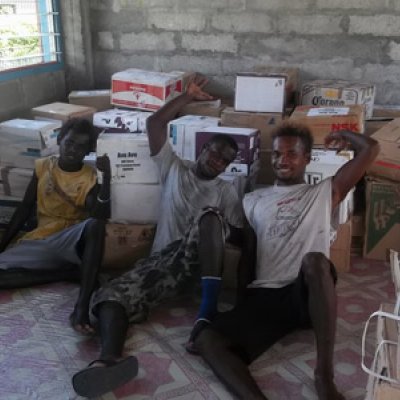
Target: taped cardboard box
[[129, 157], [324, 120], [382, 218], [146, 90], [123, 120], [98, 99], [340, 250], [338, 93], [182, 133], [292, 79], [125, 244], [62, 112], [387, 163], [264, 122], [257, 92], [22, 141], [211, 108]]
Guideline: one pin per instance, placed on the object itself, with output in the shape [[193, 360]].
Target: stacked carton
[[21, 143], [62, 112], [135, 189]]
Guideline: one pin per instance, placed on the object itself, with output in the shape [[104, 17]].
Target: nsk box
[[182, 134], [22, 141], [147, 90], [324, 120], [129, 157], [338, 93], [260, 92]]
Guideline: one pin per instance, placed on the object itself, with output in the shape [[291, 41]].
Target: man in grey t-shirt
[[288, 280], [198, 212]]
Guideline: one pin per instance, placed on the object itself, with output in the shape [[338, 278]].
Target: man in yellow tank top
[[71, 209]]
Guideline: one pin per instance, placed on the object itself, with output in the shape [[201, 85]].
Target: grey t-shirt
[[184, 195], [289, 221]]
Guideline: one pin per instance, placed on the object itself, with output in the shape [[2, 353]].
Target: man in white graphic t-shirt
[[287, 279]]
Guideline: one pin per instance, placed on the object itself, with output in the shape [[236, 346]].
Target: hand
[[336, 141], [103, 164], [194, 88]]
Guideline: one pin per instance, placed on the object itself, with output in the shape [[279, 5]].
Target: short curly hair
[[80, 126], [295, 129]]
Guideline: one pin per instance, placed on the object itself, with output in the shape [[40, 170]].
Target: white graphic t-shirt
[[289, 221], [184, 195]]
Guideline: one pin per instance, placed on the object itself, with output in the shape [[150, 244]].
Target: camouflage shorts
[[160, 276]]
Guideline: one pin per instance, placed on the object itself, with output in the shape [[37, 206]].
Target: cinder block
[[216, 43], [242, 22], [174, 21], [147, 41], [356, 4], [310, 24], [377, 25], [269, 5], [105, 40]]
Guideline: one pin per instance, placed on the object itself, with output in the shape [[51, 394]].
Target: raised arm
[[157, 123], [366, 149], [21, 214]]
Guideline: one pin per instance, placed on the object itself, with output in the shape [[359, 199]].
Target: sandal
[[95, 381]]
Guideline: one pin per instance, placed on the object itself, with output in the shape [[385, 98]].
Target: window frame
[[49, 66]]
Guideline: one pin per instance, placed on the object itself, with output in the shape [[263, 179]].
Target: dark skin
[[214, 158], [289, 160], [73, 148]]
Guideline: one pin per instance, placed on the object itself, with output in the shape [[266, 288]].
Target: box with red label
[[387, 163], [147, 90], [324, 120], [247, 139]]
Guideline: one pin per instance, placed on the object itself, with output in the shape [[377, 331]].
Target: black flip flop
[[98, 380], [199, 325]]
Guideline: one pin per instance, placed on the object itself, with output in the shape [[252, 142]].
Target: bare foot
[[326, 388], [79, 320]]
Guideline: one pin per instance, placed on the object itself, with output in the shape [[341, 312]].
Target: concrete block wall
[[347, 39], [18, 96]]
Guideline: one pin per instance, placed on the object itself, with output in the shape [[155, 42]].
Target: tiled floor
[[39, 352]]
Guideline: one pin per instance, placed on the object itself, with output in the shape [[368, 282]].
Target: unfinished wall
[[348, 39], [18, 96]]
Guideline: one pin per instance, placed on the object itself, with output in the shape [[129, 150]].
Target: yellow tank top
[[61, 196]]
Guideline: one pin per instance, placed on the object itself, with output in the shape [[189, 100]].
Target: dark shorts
[[265, 316]]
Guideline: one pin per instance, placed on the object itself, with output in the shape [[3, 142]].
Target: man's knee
[[315, 265], [210, 224]]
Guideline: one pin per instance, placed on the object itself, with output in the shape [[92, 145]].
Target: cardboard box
[[14, 181], [62, 112], [125, 244], [135, 203], [260, 93], [324, 120], [325, 163], [129, 157], [264, 122], [341, 248], [387, 164], [358, 225], [123, 120], [212, 108], [147, 90], [22, 141], [247, 139], [338, 93], [382, 219], [98, 99], [292, 79], [182, 133]]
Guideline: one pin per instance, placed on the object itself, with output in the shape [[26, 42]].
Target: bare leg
[[322, 309], [211, 252], [20, 277], [93, 245], [229, 368]]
